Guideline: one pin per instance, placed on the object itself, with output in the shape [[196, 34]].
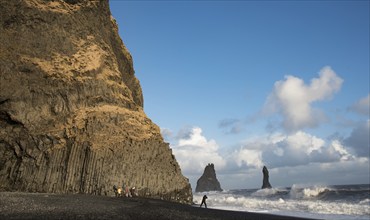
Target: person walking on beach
[[204, 201], [127, 192], [119, 191], [133, 192], [115, 190]]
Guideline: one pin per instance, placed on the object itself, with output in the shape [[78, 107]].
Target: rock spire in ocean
[[208, 181], [71, 108], [266, 183]]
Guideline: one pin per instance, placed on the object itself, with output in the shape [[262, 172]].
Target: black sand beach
[[18, 205]]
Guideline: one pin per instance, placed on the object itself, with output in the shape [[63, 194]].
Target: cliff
[[208, 181], [265, 181], [71, 108]]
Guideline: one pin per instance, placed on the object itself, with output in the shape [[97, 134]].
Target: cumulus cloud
[[232, 125], [299, 148], [249, 154], [338, 172], [292, 157], [166, 133], [249, 157], [193, 151], [359, 139], [293, 99], [362, 106]]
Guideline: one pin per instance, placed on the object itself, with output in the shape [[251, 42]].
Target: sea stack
[[71, 108], [266, 183], [208, 181]]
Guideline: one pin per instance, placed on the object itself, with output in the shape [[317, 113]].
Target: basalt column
[[71, 108], [265, 183]]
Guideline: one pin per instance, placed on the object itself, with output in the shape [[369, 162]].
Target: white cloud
[[293, 99], [334, 173], [166, 133], [341, 150], [197, 139], [291, 158], [232, 125], [251, 158], [193, 152], [304, 142], [297, 158], [338, 172], [359, 139], [362, 106], [299, 148], [250, 152]]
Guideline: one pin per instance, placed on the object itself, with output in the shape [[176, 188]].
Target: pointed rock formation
[[208, 181], [71, 108], [266, 183]]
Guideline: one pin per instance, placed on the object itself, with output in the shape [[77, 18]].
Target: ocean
[[342, 202]]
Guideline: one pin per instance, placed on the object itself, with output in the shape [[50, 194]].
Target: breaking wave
[[267, 192], [309, 192], [302, 201]]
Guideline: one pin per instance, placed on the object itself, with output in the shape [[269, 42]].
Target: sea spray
[[265, 192], [297, 191], [324, 202]]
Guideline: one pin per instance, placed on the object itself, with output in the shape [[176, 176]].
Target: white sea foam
[[299, 191], [265, 192], [365, 201], [314, 192], [294, 204]]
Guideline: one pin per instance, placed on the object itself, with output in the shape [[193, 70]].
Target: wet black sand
[[17, 205]]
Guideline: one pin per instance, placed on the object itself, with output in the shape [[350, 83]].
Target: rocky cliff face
[[265, 182], [208, 181], [71, 108]]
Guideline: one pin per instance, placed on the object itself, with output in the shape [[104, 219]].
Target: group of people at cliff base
[[125, 191]]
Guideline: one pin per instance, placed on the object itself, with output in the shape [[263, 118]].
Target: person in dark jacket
[[115, 190], [204, 201]]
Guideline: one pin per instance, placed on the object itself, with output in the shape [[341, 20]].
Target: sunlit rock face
[[71, 108], [208, 181]]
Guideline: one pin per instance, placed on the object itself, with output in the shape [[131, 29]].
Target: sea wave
[[264, 205], [265, 192], [299, 200], [365, 201], [298, 192]]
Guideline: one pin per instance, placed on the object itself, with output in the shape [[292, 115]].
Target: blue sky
[[243, 84]]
